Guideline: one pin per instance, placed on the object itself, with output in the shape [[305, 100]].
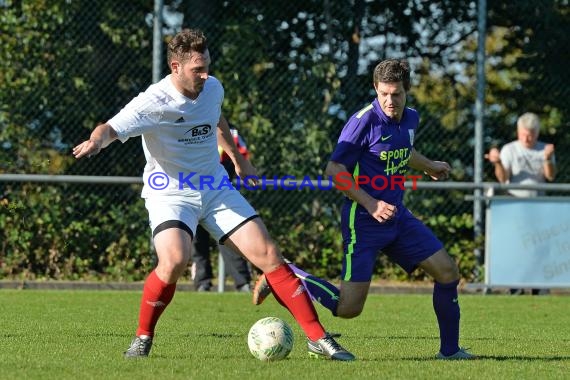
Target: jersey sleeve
[[506, 156], [139, 116], [351, 142]]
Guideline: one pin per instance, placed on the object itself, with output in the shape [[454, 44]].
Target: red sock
[[156, 296], [290, 292]]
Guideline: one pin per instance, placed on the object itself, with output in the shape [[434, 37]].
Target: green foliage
[[54, 55], [525, 71], [66, 232], [310, 235], [293, 72], [54, 232], [27, 56], [456, 231]]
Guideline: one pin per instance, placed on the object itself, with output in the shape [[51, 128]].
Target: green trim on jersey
[[318, 284], [364, 110], [350, 248]]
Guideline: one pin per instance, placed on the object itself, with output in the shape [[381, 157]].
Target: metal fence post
[[157, 41], [479, 114]]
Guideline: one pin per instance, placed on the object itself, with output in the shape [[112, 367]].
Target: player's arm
[[379, 210], [225, 139], [435, 169], [100, 138]]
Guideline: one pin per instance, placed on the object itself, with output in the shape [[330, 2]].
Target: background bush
[[293, 72]]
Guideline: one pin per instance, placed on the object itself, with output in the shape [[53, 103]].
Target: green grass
[[82, 334]]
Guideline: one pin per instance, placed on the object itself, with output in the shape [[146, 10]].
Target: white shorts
[[220, 212]]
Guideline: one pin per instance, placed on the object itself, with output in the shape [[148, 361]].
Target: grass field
[[82, 334]]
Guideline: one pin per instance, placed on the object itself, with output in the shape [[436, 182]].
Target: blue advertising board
[[528, 243]]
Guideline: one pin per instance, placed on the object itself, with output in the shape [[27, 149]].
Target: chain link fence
[[293, 73]]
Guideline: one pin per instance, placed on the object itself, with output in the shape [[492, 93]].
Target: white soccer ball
[[270, 339]]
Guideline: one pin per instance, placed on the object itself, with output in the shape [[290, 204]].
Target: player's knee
[[272, 251], [267, 258], [449, 274], [453, 270], [172, 266], [348, 312]]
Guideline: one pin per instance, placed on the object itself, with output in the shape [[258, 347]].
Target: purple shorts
[[404, 239]]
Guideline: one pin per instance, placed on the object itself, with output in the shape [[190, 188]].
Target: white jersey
[[179, 136], [526, 166]]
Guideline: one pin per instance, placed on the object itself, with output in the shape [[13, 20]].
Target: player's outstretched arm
[[435, 169], [100, 138]]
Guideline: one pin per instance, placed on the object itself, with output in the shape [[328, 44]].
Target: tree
[[30, 136], [293, 72], [531, 67]]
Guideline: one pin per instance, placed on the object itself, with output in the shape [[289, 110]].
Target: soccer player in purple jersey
[[379, 140]]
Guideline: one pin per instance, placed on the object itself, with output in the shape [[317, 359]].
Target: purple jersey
[[373, 145]]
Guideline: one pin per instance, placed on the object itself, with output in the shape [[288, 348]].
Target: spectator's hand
[[548, 151], [438, 170], [494, 156], [382, 211]]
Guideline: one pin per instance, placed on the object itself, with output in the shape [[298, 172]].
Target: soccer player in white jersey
[[180, 121]]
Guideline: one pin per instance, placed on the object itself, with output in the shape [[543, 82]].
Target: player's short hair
[[184, 43], [393, 70], [529, 121]]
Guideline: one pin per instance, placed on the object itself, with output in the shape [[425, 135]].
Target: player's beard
[[198, 86], [193, 90]]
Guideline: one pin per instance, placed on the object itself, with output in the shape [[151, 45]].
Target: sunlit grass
[[82, 334]]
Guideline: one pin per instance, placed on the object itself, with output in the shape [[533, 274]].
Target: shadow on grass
[[468, 339], [497, 358], [486, 339], [525, 358], [404, 337], [555, 358]]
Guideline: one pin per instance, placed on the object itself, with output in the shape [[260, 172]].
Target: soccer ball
[[270, 339]]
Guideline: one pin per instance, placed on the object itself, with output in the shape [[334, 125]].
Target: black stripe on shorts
[[224, 238], [172, 224]]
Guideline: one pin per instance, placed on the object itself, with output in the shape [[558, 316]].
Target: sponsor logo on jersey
[[197, 135], [396, 160], [199, 130]]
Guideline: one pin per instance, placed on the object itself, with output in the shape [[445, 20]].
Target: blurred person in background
[[525, 161], [236, 266]]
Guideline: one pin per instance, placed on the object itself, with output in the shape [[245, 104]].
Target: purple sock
[[319, 290], [446, 307]]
